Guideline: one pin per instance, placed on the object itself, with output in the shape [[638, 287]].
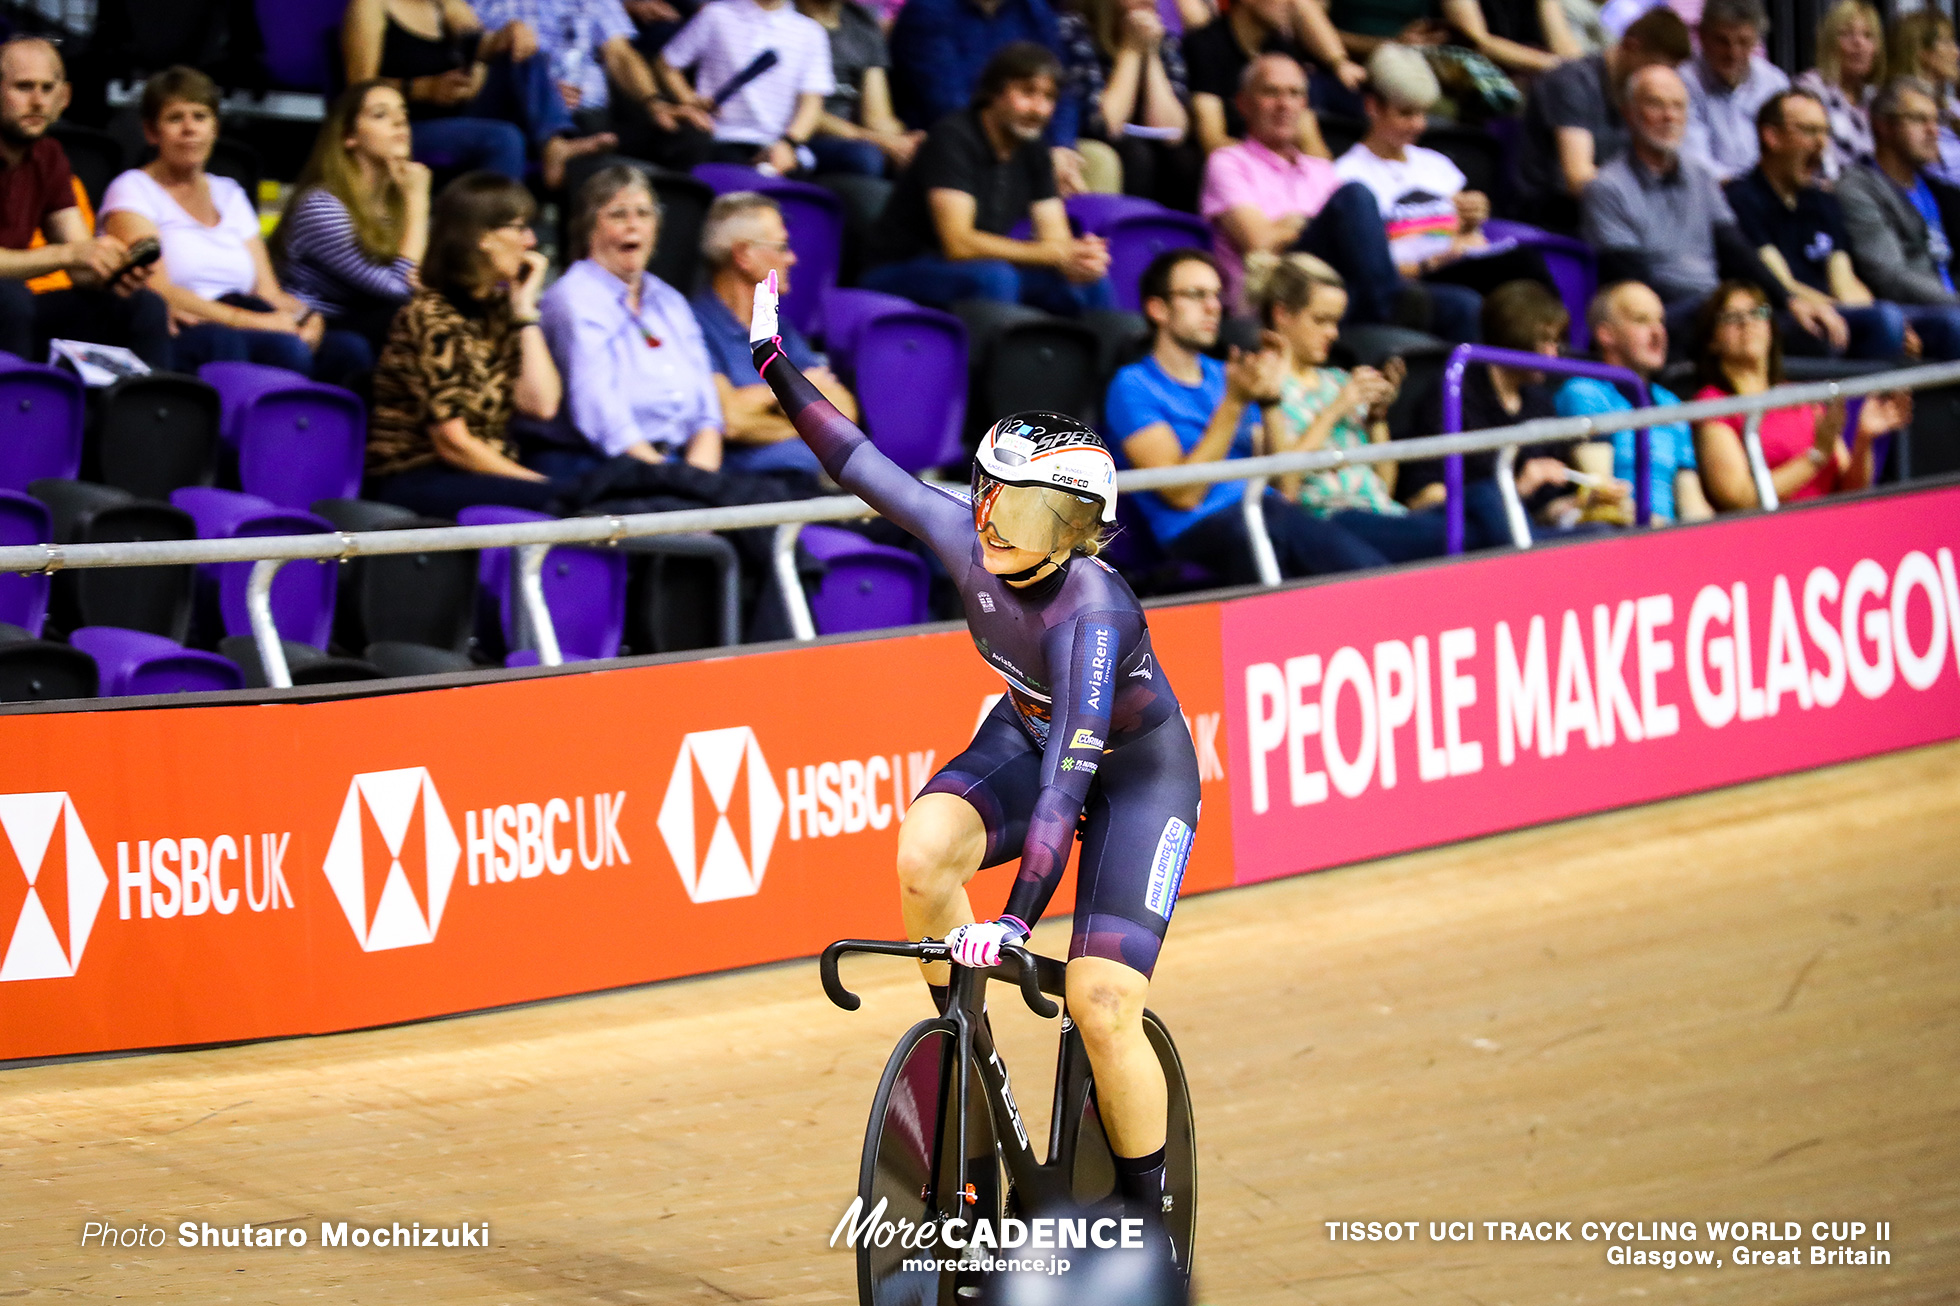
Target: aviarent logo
[[393, 858], [721, 847], [53, 861]]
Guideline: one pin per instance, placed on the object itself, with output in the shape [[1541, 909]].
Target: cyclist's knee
[[1105, 1000], [940, 845]]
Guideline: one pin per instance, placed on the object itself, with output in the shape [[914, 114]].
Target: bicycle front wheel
[[1087, 1159], [909, 1164]]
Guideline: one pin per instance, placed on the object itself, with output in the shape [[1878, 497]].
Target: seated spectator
[[859, 132], [1128, 74], [1894, 210], [1798, 229], [1658, 216], [1737, 353], [636, 374], [605, 81], [1441, 24], [1218, 54], [941, 51], [1302, 299], [1435, 224], [981, 172], [1850, 69], [761, 71], [464, 355], [1921, 45], [1728, 83], [354, 231], [743, 241], [1572, 122], [44, 231], [1629, 329], [1177, 406], [215, 273], [1526, 317], [1267, 195], [476, 99]]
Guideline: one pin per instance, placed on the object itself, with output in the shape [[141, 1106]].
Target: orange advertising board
[[212, 873]]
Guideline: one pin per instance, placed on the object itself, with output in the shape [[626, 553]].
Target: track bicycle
[[947, 1141]]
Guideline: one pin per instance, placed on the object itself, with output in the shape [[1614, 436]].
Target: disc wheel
[[909, 1151], [1090, 1164]]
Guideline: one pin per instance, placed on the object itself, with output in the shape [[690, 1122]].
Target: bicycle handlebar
[[1025, 971]]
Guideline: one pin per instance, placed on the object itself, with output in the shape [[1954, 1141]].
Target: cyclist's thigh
[[1141, 819], [999, 774]]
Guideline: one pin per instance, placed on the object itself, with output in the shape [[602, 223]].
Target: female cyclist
[[1088, 731]]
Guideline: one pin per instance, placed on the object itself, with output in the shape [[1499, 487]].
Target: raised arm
[[846, 453], [1083, 655]]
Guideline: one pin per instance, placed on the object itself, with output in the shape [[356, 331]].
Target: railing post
[[795, 602], [1507, 490], [537, 614], [1752, 445], [1252, 504], [265, 632]]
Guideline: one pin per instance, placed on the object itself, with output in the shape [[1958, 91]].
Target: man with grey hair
[[1267, 195], [1658, 216], [1894, 214], [1728, 84], [743, 240]]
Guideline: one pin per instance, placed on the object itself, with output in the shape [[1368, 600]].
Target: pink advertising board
[[1445, 702]]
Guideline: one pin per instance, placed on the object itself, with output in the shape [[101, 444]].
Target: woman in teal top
[[1302, 299]]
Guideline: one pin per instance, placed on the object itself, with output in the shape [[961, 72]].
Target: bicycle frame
[[974, 1053]]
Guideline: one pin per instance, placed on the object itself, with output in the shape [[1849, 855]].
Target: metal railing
[[1507, 484], [533, 540]]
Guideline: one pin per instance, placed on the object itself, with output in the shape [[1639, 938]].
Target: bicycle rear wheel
[[909, 1164], [1086, 1156]]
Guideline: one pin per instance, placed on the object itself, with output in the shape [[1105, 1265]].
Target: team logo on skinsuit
[[393, 858], [52, 859], [721, 853]]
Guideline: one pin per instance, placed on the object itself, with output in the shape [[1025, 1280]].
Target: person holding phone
[[477, 98], [464, 356], [57, 279], [215, 274]]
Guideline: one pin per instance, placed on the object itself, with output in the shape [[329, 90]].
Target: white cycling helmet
[[1041, 477]]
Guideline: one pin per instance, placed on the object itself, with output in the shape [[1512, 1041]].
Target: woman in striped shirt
[[355, 229]]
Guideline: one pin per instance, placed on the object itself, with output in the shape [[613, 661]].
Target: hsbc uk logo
[[52, 860], [721, 814], [393, 858]]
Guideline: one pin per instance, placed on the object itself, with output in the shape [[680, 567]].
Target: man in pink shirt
[[1266, 194]]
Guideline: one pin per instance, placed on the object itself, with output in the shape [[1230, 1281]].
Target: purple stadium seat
[[846, 312], [41, 412], [302, 593], [910, 365], [866, 586], [584, 589], [298, 36], [24, 598], [297, 440], [815, 218], [1574, 269], [134, 663], [1137, 238], [1091, 211]]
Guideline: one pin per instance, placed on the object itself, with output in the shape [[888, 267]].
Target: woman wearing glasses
[[1738, 352], [465, 355]]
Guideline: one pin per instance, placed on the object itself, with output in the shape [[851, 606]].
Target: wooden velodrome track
[[1744, 1005]]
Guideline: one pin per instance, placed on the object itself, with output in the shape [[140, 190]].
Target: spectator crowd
[[1376, 182]]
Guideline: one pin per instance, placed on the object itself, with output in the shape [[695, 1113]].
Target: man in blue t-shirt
[[743, 240], [1629, 327], [1177, 406]]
